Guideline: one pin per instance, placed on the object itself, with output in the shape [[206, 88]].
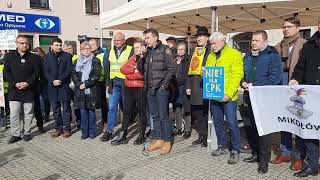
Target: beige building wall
[[73, 19]]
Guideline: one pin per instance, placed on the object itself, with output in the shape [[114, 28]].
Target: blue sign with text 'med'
[[213, 83], [29, 22]]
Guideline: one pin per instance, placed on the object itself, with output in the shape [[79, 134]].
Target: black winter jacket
[[158, 66], [93, 100], [21, 69], [307, 70]]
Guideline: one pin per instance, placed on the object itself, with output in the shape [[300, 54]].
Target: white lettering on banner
[[292, 109], [12, 18]]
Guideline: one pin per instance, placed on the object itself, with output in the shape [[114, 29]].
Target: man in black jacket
[[21, 71], [158, 67], [57, 69], [307, 71]]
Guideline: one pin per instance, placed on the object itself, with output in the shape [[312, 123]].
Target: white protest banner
[[292, 109], [8, 39]]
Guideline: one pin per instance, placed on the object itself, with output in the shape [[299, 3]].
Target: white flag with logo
[[293, 109]]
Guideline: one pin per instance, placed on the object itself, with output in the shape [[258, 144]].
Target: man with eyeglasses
[[21, 71], [289, 50]]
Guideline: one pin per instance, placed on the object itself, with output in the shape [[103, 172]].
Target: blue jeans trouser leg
[[84, 124], [286, 145], [312, 149], [158, 106], [92, 123], [114, 99], [229, 109]]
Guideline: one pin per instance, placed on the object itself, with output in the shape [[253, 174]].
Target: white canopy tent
[[183, 17]]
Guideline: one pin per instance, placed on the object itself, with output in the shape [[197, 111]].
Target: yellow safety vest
[[5, 84], [100, 57], [74, 58], [116, 64]]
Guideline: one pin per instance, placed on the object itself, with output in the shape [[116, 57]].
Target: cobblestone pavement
[[46, 158]]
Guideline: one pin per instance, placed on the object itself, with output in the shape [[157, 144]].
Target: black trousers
[[104, 104], [135, 98], [199, 117], [37, 110], [260, 146]]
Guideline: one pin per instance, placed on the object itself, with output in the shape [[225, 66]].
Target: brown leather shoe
[[166, 148], [280, 159], [67, 134], [55, 134], [156, 145], [297, 165]]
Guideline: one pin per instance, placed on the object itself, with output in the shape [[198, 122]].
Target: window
[[45, 42], [40, 4], [305, 33], [92, 7]]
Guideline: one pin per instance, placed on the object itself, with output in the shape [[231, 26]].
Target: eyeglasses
[[86, 49], [288, 27], [25, 43]]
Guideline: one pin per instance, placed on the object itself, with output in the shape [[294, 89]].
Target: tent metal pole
[[212, 138], [189, 39], [101, 37]]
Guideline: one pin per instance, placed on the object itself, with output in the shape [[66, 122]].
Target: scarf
[[84, 66], [285, 44]]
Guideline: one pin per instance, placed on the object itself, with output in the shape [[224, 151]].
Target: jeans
[[158, 107], [88, 122], [62, 120], [114, 99], [228, 109], [286, 146], [16, 107], [312, 149]]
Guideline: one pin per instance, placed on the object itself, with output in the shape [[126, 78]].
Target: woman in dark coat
[[182, 105], [85, 77]]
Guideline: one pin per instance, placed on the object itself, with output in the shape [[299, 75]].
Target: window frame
[[92, 13], [39, 7]]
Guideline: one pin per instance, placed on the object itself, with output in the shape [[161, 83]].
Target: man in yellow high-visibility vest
[[4, 110], [118, 56], [100, 54]]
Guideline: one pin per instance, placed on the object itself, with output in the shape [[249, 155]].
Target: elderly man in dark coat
[[57, 69], [199, 107]]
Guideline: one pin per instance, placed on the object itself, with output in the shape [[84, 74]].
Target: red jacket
[[132, 79]]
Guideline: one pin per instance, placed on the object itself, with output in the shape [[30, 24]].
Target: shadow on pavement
[[11, 155]]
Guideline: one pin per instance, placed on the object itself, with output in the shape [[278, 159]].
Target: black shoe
[[305, 172], [106, 136], [121, 139], [27, 137], [177, 132], [187, 134], [140, 140], [262, 169], [252, 159], [148, 133], [198, 141], [41, 130], [46, 118], [14, 139]]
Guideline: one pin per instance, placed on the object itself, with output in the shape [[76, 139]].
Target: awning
[[183, 17]]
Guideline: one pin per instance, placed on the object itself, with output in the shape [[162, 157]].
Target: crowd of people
[[144, 79]]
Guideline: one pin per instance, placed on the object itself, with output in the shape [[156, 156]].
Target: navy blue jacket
[[268, 69], [58, 67]]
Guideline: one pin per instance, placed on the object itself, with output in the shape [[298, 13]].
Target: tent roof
[[183, 17]]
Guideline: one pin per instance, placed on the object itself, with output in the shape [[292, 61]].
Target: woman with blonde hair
[[85, 77]]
